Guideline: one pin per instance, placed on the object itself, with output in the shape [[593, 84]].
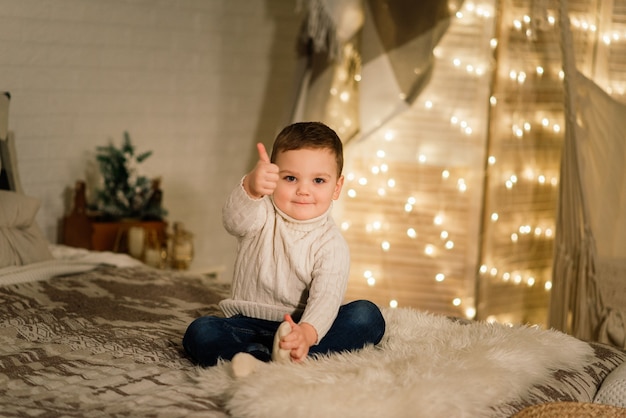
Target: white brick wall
[[196, 81]]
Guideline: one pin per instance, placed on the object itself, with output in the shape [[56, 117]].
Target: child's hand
[[262, 180], [299, 339]]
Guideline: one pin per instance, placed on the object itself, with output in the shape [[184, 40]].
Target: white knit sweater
[[284, 265]]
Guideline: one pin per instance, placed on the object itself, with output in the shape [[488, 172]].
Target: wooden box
[[81, 230]]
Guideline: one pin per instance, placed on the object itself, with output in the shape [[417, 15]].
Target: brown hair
[[312, 135]]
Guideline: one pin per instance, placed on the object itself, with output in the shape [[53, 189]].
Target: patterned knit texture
[[285, 265]]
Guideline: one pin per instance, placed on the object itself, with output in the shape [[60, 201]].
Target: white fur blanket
[[425, 366]]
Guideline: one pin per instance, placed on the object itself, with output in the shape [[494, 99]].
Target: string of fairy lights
[[375, 180]]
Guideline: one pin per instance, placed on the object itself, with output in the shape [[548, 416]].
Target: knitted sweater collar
[[303, 225]]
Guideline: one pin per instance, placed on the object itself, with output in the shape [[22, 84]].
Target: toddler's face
[[307, 182]]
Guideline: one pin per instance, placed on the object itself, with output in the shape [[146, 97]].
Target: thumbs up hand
[[262, 180]]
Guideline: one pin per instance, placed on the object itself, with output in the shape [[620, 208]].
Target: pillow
[[21, 240], [613, 389]]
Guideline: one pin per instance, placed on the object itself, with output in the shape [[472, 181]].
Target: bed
[[87, 333]]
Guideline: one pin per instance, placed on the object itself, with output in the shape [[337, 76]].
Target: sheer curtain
[[589, 276]]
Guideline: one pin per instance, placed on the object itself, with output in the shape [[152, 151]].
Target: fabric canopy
[[365, 61], [589, 275]]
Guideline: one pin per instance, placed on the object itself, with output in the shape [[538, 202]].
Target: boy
[[292, 262]]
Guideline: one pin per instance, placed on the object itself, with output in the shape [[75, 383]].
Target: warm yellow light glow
[[444, 235], [445, 174], [548, 285], [362, 181], [428, 104], [440, 277], [470, 313], [391, 183], [389, 135], [385, 245], [421, 158], [345, 225], [456, 301], [429, 249], [491, 160], [352, 193], [483, 269], [449, 245], [393, 303], [494, 217], [412, 233], [371, 281], [408, 207], [514, 237], [438, 219]]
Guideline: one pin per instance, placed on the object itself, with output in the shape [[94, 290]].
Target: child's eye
[[319, 181], [290, 178]]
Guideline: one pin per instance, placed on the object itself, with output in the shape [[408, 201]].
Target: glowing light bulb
[[345, 225], [470, 313], [494, 217], [456, 301], [429, 249], [440, 277], [412, 233], [352, 193], [362, 181], [380, 153], [371, 281], [393, 303], [385, 245]]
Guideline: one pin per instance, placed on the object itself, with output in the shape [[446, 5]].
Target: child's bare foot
[[244, 364], [279, 354]]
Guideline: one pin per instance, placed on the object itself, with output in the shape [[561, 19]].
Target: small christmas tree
[[125, 193]]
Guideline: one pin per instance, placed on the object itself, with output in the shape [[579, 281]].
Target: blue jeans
[[210, 338]]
